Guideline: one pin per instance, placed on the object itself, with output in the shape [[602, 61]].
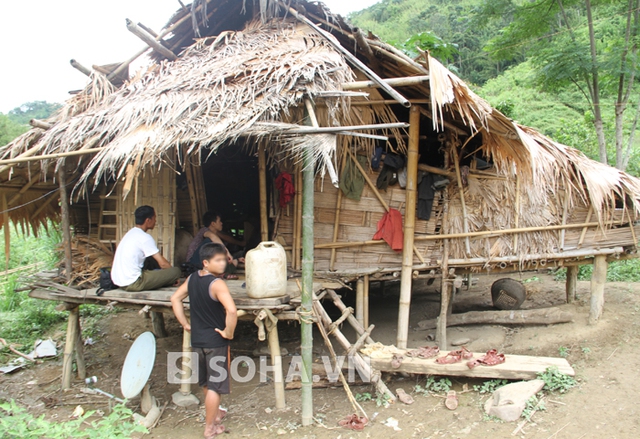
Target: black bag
[[106, 283]]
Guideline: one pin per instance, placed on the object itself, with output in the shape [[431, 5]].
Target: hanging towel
[[390, 229], [352, 180], [284, 184]]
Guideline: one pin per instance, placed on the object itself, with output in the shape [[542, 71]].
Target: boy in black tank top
[[213, 321]]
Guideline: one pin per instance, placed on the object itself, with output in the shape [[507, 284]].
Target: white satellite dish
[[138, 365]]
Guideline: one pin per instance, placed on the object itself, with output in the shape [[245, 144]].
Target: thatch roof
[[247, 76]]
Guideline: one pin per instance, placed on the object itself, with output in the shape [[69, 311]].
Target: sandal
[[404, 396], [229, 276], [491, 358], [217, 429], [396, 361], [222, 413], [455, 356], [354, 422], [425, 352], [451, 402]]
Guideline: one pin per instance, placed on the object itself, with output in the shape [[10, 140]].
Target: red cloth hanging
[[390, 229], [284, 184]]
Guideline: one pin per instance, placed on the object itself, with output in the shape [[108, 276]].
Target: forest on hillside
[[565, 67]]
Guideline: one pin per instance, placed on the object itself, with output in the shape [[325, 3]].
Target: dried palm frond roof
[[228, 82]]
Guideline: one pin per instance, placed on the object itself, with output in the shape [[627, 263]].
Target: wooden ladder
[[108, 219], [333, 328]]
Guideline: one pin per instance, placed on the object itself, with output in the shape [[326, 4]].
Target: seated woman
[[212, 232]]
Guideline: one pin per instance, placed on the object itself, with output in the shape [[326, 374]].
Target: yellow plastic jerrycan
[[266, 271]]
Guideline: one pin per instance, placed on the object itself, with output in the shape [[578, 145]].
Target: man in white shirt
[[134, 247]]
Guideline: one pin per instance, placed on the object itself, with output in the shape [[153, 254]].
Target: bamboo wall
[[156, 189]]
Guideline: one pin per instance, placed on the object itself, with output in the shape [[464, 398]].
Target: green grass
[[17, 423], [618, 271]]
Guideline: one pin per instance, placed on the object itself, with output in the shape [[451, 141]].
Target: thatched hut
[[238, 92]]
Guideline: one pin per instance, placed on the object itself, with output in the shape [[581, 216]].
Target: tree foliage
[[32, 110]]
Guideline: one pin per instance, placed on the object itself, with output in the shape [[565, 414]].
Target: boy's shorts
[[213, 369]]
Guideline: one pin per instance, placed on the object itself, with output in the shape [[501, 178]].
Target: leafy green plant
[[535, 403], [17, 423], [490, 386], [442, 385], [564, 351], [382, 400], [586, 350], [556, 381], [361, 397]]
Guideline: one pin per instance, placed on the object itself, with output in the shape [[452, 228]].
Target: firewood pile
[[89, 255]]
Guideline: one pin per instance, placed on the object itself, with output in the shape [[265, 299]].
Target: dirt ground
[[606, 358]]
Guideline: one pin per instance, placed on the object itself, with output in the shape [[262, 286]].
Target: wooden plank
[[516, 367]]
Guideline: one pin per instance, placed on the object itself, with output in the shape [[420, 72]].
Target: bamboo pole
[[441, 330], [79, 67], [411, 194], [150, 40], [565, 212], [481, 233], [299, 217], [598, 279], [571, 283], [69, 347], [306, 307], [262, 171], [584, 229], [7, 234], [26, 157], [24, 188], [324, 130], [37, 123], [352, 59], [366, 301], [386, 102], [65, 221], [517, 215], [465, 221], [396, 82], [336, 221], [360, 301]]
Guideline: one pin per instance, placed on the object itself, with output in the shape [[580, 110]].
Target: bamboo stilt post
[[65, 222], [360, 302], [306, 308], [336, 222], [465, 221], [441, 330], [185, 386], [299, 189], [408, 247], [69, 347], [262, 170], [7, 232], [598, 279], [366, 301], [276, 362], [571, 283], [517, 215], [80, 363]]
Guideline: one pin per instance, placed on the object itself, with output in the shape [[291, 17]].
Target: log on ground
[[542, 316]]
